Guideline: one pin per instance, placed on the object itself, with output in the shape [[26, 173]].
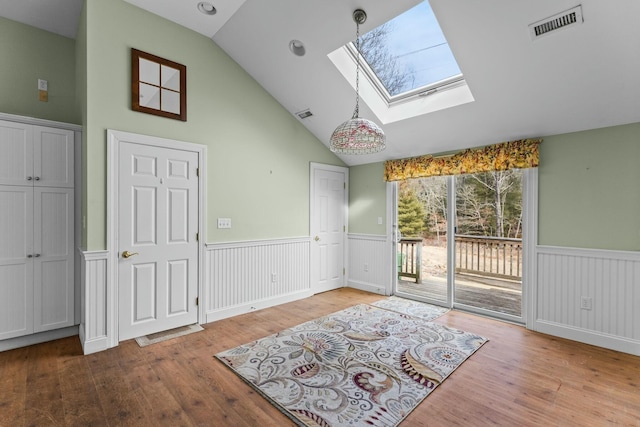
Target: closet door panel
[[16, 153], [53, 157], [53, 259], [16, 261]]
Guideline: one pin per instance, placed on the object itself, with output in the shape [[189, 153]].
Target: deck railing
[[410, 258], [489, 256], [480, 255]]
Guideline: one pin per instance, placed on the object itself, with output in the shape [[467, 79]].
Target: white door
[[328, 227], [158, 222], [16, 261]]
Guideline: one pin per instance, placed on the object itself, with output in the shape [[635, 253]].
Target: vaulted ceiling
[[579, 78]]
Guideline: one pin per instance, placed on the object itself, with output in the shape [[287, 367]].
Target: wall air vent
[[556, 22]]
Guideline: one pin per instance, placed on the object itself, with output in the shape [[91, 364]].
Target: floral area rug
[[363, 366], [411, 308]]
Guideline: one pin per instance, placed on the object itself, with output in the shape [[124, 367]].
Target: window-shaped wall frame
[[158, 86]]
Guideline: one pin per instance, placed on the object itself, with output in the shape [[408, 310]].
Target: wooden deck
[[502, 296]]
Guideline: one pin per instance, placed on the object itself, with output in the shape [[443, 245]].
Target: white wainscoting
[[369, 263], [246, 276], [611, 279], [94, 333]]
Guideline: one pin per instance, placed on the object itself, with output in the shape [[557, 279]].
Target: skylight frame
[[409, 34], [425, 90]]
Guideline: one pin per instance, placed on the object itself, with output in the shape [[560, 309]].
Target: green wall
[[29, 54], [81, 96], [258, 153], [367, 199], [588, 189]]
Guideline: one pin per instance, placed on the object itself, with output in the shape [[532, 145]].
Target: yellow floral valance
[[507, 155]]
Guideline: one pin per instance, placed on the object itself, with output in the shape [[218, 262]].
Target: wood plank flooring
[[518, 378]]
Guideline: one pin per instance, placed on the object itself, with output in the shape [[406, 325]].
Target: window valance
[[507, 155]]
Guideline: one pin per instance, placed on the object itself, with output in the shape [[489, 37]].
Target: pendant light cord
[[356, 112]]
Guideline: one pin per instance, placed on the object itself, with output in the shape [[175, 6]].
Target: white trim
[[236, 286], [392, 224], [530, 243], [223, 313], [38, 338], [586, 336], [373, 237], [594, 253], [40, 122], [313, 166], [113, 138], [92, 330], [373, 250], [609, 277], [367, 287], [254, 243]]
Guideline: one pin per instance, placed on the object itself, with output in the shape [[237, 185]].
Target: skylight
[[409, 54], [413, 47]]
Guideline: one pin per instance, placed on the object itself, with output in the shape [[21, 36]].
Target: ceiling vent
[[304, 114], [556, 22]]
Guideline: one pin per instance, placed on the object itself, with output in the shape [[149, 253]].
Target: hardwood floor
[[518, 378]]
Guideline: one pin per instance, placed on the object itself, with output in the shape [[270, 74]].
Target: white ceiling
[[580, 78], [56, 16]]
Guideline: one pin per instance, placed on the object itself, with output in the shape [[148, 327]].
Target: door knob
[[127, 254], [316, 238]]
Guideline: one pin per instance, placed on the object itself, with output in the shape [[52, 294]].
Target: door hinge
[[197, 237], [197, 171], [344, 271], [344, 185], [344, 228], [197, 300]]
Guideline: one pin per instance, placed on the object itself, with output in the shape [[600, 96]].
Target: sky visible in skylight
[[409, 51]]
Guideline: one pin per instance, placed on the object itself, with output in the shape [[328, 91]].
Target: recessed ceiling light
[[297, 47], [206, 8]]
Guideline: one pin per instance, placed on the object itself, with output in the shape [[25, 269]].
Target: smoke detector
[[566, 19]]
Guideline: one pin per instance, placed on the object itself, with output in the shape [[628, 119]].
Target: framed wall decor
[[158, 86]]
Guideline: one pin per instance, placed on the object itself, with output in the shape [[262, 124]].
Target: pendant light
[[357, 135]]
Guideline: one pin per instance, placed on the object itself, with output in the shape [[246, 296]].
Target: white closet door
[[52, 157], [16, 262], [53, 258], [16, 154]]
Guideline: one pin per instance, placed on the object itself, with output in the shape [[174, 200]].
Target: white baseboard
[[599, 339], [226, 312], [92, 345], [38, 338], [367, 287]]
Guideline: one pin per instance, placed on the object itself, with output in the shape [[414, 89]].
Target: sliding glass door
[[461, 242], [488, 243], [422, 255]]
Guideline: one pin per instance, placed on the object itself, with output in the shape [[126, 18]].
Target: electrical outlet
[[366, 267], [224, 222], [274, 277], [43, 85], [586, 303]]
